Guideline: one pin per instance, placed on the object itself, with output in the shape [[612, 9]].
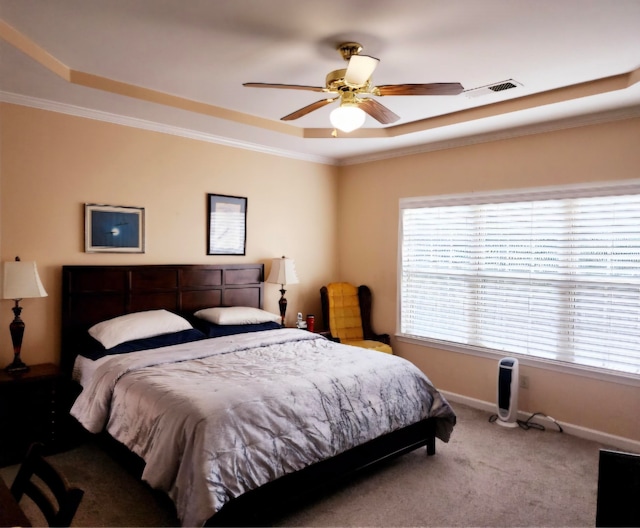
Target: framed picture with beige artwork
[[227, 224]]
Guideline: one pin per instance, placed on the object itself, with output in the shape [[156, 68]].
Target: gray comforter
[[216, 418]]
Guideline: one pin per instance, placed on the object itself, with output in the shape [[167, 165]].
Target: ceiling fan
[[352, 86]]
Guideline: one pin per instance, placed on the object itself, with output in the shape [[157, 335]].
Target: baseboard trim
[[617, 442]]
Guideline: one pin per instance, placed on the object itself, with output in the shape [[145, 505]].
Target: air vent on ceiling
[[504, 86], [501, 86]]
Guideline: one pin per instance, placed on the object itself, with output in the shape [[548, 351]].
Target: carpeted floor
[[485, 476]]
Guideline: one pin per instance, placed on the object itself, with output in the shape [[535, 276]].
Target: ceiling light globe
[[347, 118]]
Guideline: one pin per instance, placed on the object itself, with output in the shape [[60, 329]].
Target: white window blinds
[[550, 274]]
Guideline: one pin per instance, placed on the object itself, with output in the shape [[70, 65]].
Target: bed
[[225, 424]]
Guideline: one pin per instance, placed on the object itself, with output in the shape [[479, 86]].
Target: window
[[550, 273]]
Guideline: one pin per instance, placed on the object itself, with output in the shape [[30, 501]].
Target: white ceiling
[[203, 50]]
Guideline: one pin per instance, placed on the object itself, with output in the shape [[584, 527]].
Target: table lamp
[[283, 272], [21, 281]]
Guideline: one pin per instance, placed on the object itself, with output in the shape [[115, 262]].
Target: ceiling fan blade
[[379, 112], [360, 69], [285, 86], [307, 109], [420, 89]]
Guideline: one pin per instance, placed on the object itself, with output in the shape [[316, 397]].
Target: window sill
[[567, 368]]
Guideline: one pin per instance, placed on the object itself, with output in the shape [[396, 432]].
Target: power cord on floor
[[528, 424]]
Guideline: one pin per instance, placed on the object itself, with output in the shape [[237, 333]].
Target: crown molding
[[133, 122], [527, 130], [538, 128]]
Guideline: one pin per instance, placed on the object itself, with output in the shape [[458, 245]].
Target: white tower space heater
[[508, 392]]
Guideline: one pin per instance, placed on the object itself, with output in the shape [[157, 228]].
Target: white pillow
[[236, 315], [137, 325]]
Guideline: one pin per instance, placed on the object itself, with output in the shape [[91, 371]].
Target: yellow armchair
[[347, 311]]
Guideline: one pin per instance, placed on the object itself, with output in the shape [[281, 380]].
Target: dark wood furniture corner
[[30, 411]]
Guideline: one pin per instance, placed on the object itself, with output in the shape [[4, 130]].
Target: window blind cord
[[528, 424]]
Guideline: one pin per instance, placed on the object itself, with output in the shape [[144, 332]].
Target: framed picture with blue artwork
[[113, 229]]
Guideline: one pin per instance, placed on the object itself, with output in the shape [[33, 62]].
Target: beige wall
[[368, 220], [337, 224], [51, 164]]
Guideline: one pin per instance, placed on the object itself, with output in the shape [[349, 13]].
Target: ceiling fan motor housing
[[335, 82], [348, 49]]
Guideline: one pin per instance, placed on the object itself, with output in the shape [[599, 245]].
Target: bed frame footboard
[[258, 507], [255, 507]]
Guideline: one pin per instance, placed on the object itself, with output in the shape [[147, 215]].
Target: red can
[[311, 319]]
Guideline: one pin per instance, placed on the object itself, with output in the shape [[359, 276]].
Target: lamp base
[[17, 332], [282, 303], [17, 366]]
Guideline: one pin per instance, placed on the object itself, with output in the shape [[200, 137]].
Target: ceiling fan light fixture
[[347, 118]]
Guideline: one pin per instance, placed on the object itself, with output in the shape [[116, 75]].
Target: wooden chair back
[[50, 491]]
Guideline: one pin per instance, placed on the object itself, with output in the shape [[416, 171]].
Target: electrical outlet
[[524, 382]]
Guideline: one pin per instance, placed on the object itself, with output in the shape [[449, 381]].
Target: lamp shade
[[21, 281], [283, 271], [347, 118]]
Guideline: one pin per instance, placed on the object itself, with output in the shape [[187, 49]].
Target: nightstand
[[29, 410]]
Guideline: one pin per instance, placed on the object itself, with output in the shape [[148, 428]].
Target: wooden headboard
[[91, 294]]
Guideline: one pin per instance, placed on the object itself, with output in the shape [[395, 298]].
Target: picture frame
[[227, 224], [113, 229]]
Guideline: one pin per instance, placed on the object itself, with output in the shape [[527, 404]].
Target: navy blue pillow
[[216, 330], [175, 338]]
